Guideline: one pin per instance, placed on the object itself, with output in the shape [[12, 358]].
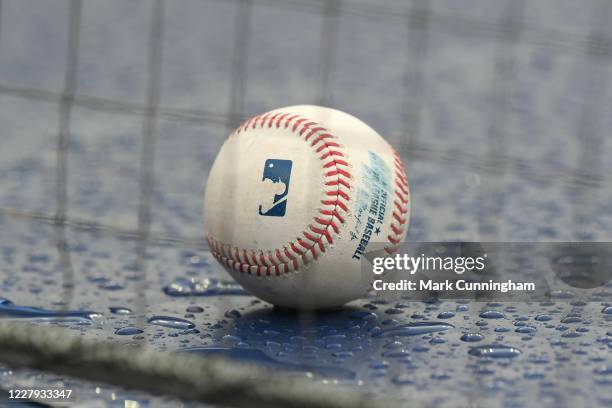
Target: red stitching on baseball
[[295, 249], [339, 181], [309, 237], [254, 260], [401, 202], [306, 127], [399, 219], [298, 123], [335, 203], [324, 136], [323, 232], [262, 118], [291, 257], [402, 188], [328, 223], [314, 253], [289, 120], [247, 123], [331, 153], [336, 172], [396, 230], [304, 244], [401, 178], [338, 193], [333, 213], [287, 259], [327, 145], [312, 132], [336, 162], [403, 199], [400, 208], [272, 119], [280, 118], [262, 258], [271, 259], [393, 240]]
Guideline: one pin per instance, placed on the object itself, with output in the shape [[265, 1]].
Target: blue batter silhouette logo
[[276, 175]]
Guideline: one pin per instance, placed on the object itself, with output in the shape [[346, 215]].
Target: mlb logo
[[275, 182]]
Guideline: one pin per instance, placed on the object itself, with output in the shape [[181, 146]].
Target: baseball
[[293, 200]]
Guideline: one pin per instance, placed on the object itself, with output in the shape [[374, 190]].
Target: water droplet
[[232, 314], [526, 330], [502, 329], [111, 285], [203, 287], [395, 354], [492, 314], [440, 376], [471, 337], [571, 319], [607, 310], [446, 315], [335, 337], [230, 338], [120, 310], [533, 375], [414, 329], [561, 294], [543, 318], [604, 370], [363, 315], [10, 310], [403, 379], [379, 364], [128, 331], [171, 322], [375, 331], [462, 308], [582, 329], [41, 258], [495, 351]]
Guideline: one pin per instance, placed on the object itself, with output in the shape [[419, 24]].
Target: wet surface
[[450, 352]]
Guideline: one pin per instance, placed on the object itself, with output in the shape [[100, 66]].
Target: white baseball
[[293, 200]]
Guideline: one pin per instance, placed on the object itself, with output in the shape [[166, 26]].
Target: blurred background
[[112, 112]]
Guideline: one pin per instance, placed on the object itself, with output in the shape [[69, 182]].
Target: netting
[[509, 32]]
